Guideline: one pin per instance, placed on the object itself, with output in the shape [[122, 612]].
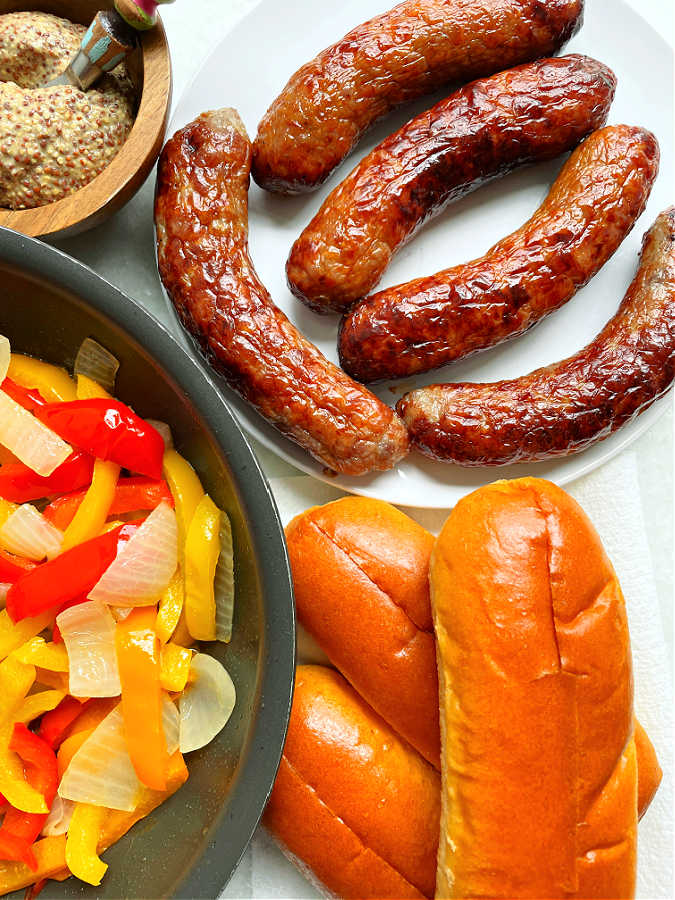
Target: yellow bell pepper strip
[[50, 852], [174, 667], [53, 382], [95, 508], [181, 635], [36, 705], [138, 660], [14, 635], [16, 679], [6, 510], [88, 389], [185, 487], [37, 652], [81, 843], [170, 607], [58, 681], [202, 550]]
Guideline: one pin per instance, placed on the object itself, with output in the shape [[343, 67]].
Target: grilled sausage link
[[486, 129], [426, 323], [408, 52], [566, 407], [201, 213]]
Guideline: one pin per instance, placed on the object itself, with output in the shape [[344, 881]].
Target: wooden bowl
[[150, 71]]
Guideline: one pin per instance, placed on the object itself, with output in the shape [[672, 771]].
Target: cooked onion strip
[[206, 704], [27, 533], [96, 363], [35, 445], [88, 631], [224, 582], [143, 567], [5, 355]]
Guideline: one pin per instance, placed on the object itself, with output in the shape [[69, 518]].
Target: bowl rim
[[255, 775], [121, 179]]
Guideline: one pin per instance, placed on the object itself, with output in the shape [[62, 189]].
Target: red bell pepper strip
[[29, 398], [14, 848], [131, 494], [21, 829], [55, 724], [70, 575], [13, 567], [67, 578], [20, 484], [108, 430]]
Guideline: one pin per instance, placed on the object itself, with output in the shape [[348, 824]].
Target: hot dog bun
[[352, 800], [649, 770], [360, 573], [539, 792]]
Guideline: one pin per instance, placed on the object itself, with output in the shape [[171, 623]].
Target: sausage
[[566, 407], [201, 214], [486, 129], [426, 323], [408, 52]]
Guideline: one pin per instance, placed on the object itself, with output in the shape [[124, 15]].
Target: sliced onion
[[88, 631], [29, 440], [143, 567], [96, 363], [101, 771], [171, 723], [5, 354], [58, 820], [223, 584], [27, 533], [164, 431], [206, 703]]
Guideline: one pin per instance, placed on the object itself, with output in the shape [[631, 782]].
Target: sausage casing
[[426, 323], [486, 129], [408, 52], [566, 407], [201, 213]]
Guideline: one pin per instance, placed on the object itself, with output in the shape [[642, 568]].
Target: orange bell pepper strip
[[138, 660], [56, 722], [133, 494]]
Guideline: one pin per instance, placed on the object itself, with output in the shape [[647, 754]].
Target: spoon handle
[[108, 41], [140, 14]]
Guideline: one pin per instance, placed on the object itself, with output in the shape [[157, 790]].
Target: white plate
[[249, 68]]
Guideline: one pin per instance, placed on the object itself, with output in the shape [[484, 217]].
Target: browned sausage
[[592, 206], [563, 408], [408, 52], [201, 212], [486, 129]]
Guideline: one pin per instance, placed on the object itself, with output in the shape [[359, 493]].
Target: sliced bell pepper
[[109, 430], [29, 398], [20, 484], [202, 549], [55, 724], [170, 607], [88, 389], [13, 635], [174, 667], [50, 852], [81, 843], [131, 495], [53, 382], [15, 848], [15, 681], [58, 681], [37, 652], [138, 660], [41, 771], [13, 567], [63, 578], [36, 705], [95, 507]]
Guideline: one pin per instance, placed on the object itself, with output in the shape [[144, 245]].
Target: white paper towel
[[611, 497]]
